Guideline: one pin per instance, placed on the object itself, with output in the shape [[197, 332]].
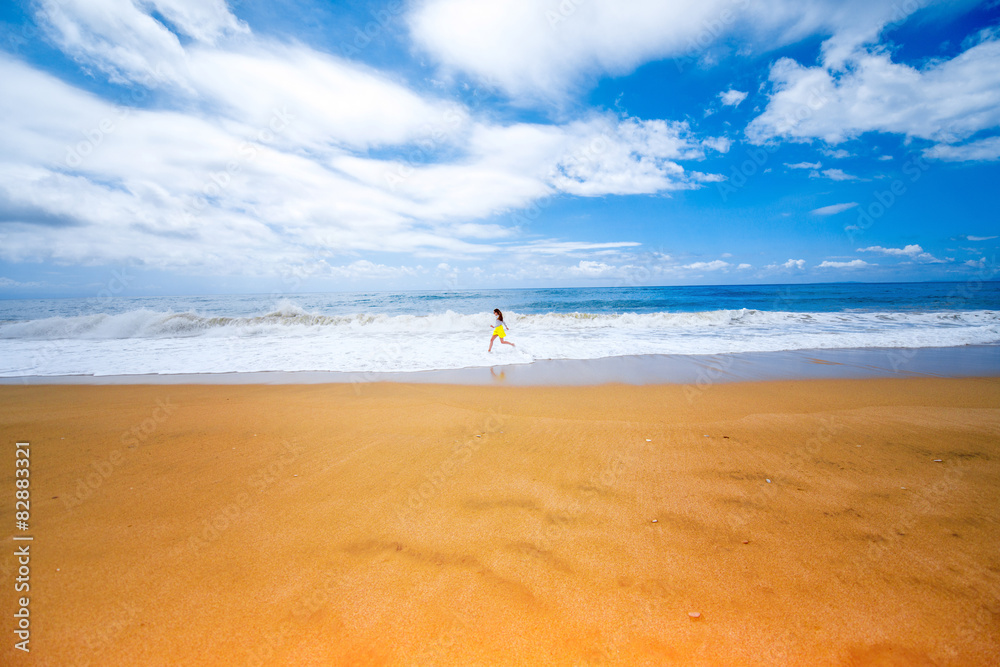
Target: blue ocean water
[[821, 298], [411, 331]]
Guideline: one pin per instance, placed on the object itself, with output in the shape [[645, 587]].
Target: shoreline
[[810, 364], [832, 522]]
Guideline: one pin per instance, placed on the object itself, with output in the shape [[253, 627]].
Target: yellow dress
[[498, 331]]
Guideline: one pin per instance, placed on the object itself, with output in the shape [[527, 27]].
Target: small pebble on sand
[[768, 481], [654, 520], [937, 460], [746, 541], [694, 614]]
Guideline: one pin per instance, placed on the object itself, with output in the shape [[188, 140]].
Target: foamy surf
[[293, 338], [296, 321]]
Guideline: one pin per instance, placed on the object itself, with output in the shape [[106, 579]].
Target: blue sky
[[199, 146]]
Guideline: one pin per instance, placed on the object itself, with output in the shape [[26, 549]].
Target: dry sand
[[425, 524]]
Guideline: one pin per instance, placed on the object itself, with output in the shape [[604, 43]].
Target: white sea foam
[[289, 338]]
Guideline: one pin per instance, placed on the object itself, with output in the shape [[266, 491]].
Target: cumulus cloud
[[838, 154], [834, 175], [337, 103], [732, 98], [912, 251], [945, 101], [591, 269], [853, 264], [598, 158], [833, 209], [983, 150], [124, 40], [545, 49], [273, 153], [542, 49], [268, 158], [797, 264], [718, 144], [714, 265]]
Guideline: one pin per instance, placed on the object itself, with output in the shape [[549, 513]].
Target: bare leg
[[491, 342], [506, 343]]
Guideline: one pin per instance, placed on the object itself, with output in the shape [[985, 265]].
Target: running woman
[[499, 330]]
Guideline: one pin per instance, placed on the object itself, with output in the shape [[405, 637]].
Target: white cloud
[[631, 157], [331, 158], [122, 39], [945, 101], [833, 209], [804, 165], [853, 264], [980, 238], [10, 282], [835, 175], [699, 177], [909, 250], [913, 251], [336, 103], [537, 48], [838, 154], [797, 264], [590, 269], [714, 265], [928, 258], [618, 266], [266, 163], [743, 267], [719, 144], [567, 247], [544, 49], [732, 98], [363, 269], [976, 263], [983, 150]]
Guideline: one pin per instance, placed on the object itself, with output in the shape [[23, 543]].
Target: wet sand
[[805, 522], [698, 369]]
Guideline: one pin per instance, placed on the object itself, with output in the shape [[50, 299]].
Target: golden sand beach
[[833, 522]]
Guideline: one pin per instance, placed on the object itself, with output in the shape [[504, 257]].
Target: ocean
[[379, 332]]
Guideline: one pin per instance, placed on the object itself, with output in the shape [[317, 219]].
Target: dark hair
[[499, 314]]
